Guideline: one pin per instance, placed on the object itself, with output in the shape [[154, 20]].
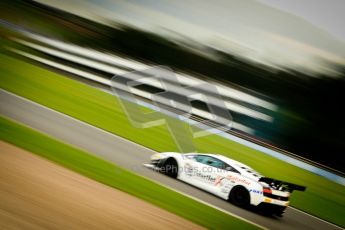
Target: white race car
[[226, 178]]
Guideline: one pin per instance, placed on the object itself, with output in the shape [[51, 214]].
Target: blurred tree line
[[309, 121]]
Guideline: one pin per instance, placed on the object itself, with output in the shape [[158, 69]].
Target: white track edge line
[[168, 187]]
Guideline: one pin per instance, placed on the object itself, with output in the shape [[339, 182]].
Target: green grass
[[114, 176], [103, 110]]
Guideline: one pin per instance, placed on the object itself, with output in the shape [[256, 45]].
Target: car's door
[[208, 173], [193, 170], [214, 175], [205, 171]]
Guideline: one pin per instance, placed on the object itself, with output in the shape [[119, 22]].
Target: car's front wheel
[[170, 168], [239, 196]]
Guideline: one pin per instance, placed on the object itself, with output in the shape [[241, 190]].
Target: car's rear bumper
[[276, 202]]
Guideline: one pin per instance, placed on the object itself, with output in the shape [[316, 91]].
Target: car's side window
[[211, 161], [230, 168], [214, 162], [201, 159]]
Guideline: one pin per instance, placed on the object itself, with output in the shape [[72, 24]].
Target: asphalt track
[[131, 156]]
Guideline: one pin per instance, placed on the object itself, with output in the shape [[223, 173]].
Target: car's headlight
[[156, 156]]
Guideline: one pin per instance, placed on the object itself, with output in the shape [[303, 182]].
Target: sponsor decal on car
[[230, 178], [207, 178], [255, 191]]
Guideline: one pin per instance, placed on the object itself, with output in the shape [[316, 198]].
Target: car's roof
[[242, 168]]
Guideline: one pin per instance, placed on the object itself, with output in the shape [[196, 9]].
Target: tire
[[170, 168], [239, 196]]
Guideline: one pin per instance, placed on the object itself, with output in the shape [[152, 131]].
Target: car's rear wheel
[[170, 168], [239, 196]]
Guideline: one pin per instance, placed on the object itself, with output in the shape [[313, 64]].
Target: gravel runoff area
[[38, 194]]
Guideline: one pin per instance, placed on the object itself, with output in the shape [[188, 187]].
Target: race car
[[226, 178]]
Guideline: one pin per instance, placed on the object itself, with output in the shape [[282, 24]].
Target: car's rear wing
[[282, 185]]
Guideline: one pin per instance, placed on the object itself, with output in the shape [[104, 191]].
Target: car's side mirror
[[228, 168]]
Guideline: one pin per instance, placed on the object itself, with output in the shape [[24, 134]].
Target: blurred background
[[280, 64]]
